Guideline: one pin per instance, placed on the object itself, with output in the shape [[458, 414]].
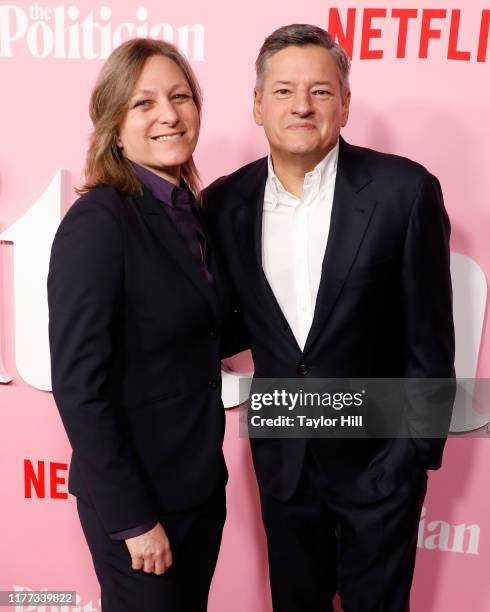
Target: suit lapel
[[165, 232], [214, 266], [351, 213], [247, 223]]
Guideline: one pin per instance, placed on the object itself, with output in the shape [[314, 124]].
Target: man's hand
[[150, 551]]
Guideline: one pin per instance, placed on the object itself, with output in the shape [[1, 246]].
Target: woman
[[136, 309]]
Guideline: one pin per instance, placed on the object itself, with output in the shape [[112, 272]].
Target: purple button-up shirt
[[180, 205]]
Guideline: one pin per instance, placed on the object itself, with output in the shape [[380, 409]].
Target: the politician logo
[[441, 535], [68, 32]]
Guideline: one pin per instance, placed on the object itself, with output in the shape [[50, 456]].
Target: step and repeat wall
[[420, 88]]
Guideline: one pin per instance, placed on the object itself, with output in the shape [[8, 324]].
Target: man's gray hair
[[300, 35]]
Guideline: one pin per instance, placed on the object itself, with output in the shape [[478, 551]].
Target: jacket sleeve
[[85, 283], [429, 329], [235, 337]]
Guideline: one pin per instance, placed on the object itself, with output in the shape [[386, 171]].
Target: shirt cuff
[[134, 531]]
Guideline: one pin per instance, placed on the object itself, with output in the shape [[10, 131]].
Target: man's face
[[300, 103]]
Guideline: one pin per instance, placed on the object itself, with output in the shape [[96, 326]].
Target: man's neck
[[291, 170]]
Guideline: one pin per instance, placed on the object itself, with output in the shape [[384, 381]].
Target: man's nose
[[302, 104], [167, 114]]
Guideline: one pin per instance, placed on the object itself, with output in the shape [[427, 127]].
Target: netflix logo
[[45, 480], [376, 33]]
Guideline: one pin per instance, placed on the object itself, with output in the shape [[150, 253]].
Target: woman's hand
[[150, 551]]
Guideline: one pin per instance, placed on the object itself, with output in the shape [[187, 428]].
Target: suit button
[[213, 384], [213, 335], [303, 370]]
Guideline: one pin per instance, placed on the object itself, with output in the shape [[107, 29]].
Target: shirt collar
[[322, 174], [163, 190]]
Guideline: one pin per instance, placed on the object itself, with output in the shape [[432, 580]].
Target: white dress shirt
[[294, 238]]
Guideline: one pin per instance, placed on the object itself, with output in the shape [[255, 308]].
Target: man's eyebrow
[[313, 84]]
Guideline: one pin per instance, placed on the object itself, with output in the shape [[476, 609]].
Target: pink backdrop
[[433, 109]]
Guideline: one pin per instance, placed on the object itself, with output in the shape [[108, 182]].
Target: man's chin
[[305, 151]]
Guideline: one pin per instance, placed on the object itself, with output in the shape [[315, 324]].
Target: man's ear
[[257, 107], [345, 108]]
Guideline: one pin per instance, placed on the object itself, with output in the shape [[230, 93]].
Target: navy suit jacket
[[135, 335], [383, 310]]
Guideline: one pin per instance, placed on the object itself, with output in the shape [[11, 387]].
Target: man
[[339, 257]]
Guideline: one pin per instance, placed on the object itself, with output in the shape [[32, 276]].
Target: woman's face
[[161, 126]]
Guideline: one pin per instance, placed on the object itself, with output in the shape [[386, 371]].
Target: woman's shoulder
[[103, 200], [90, 230], [101, 196], [101, 209]]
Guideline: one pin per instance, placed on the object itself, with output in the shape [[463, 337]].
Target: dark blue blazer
[[383, 310], [135, 335]]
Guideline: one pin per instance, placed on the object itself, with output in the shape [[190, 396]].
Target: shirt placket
[[302, 277]]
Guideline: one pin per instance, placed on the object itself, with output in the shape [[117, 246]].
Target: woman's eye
[[142, 103], [182, 96]]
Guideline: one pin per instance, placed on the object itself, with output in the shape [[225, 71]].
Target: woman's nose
[[167, 112]]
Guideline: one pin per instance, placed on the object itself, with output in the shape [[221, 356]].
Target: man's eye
[[282, 92], [322, 92]]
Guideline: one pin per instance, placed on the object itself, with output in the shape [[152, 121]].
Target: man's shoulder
[[388, 166]]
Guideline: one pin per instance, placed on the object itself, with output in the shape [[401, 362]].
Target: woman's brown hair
[[105, 163]]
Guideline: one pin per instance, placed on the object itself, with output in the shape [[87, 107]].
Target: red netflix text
[[45, 480], [429, 27]]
